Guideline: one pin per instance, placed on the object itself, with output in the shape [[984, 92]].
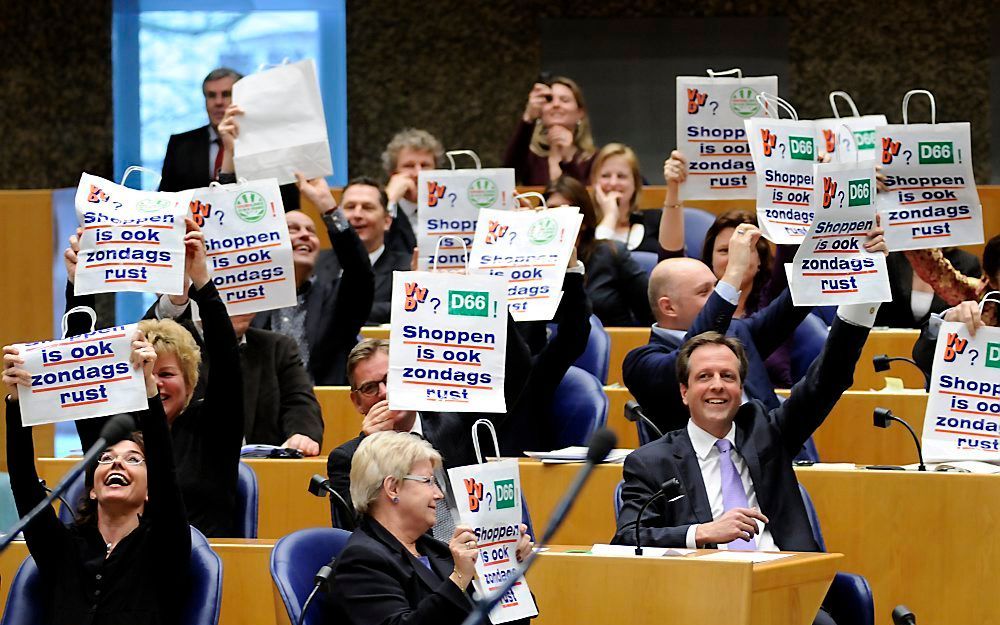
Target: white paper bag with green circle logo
[[962, 421], [448, 204], [932, 199], [831, 266], [283, 126], [531, 249], [488, 497], [132, 240], [247, 245], [80, 377], [848, 139], [784, 151], [711, 134], [448, 342]]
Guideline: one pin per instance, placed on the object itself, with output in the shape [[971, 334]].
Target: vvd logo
[[696, 100], [435, 192], [830, 139], [414, 296], [496, 232], [199, 211], [954, 347], [96, 195], [829, 191], [769, 140], [475, 492], [890, 149]]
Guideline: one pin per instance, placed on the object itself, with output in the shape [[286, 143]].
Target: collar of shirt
[[703, 442], [418, 427], [667, 333], [213, 134], [409, 208], [374, 256]]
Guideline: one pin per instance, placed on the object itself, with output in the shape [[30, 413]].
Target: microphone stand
[[317, 486], [322, 577], [881, 363], [882, 417], [672, 489], [634, 413]]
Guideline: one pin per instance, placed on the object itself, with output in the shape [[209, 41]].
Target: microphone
[[117, 428], [601, 444], [319, 487], [634, 413], [321, 581], [901, 615], [672, 490], [65, 503], [881, 363], [882, 417]]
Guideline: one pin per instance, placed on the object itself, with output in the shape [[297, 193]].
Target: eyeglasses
[[423, 479], [371, 389], [131, 459]]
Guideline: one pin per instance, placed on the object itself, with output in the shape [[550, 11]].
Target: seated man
[[365, 205], [734, 459], [409, 152]]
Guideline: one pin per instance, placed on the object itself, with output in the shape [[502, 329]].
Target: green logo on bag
[[993, 355], [504, 493], [936, 152], [865, 139], [250, 206], [743, 102], [543, 230], [469, 303], [801, 148], [483, 192], [859, 192], [151, 205]]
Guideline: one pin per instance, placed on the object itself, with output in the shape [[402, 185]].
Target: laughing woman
[[126, 560]]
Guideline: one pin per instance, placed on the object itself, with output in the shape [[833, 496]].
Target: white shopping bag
[[283, 127], [848, 139]]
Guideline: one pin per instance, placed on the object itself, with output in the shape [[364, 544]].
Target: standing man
[[194, 158], [409, 152]]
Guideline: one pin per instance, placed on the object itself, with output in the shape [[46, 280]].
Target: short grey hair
[[221, 72], [414, 139], [385, 454]]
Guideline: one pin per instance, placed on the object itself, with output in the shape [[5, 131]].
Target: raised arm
[[949, 283], [671, 237]]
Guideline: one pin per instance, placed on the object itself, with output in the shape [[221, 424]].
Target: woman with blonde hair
[[617, 183], [392, 570], [553, 136]]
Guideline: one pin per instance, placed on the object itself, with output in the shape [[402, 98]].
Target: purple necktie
[[733, 494]]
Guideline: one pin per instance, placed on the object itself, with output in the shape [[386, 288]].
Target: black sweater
[[145, 577]]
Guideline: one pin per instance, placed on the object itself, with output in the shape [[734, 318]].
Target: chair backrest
[[26, 599], [696, 224], [806, 344], [245, 525], [617, 499], [73, 495], [579, 408], [813, 518], [646, 260], [596, 358], [294, 562]]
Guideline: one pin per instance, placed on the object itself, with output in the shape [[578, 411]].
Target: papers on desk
[[629, 550], [960, 466], [575, 454], [744, 556]]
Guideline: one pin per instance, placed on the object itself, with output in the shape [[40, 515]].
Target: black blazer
[[338, 306], [768, 440], [898, 313], [377, 581], [402, 235], [617, 286], [649, 219], [278, 398], [390, 260], [186, 166]]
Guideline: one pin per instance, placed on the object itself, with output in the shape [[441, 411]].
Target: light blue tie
[[733, 494]]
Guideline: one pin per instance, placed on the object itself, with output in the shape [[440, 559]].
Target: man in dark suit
[[409, 152], [194, 158], [734, 459]]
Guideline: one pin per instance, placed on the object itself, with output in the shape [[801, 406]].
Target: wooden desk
[[592, 518], [341, 422], [893, 343], [927, 540]]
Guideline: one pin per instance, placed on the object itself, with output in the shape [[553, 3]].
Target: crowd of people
[[720, 316]]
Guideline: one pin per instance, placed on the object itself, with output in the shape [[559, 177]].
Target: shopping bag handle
[[763, 98], [134, 168], [453, 153], [845, 96], [906, 104]]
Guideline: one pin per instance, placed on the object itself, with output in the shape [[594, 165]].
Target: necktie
[[733, 494], [218, 159]]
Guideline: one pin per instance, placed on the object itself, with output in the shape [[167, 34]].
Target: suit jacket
[[898, 313], [768, 441], [186, 166], [650, 371], [389, 261], [402, 235], [649, 219], [278, 399], [337, 307], [617, 286]]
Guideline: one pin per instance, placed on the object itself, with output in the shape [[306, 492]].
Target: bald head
[[678, 290]]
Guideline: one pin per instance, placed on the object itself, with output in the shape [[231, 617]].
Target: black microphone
[[901, 615], [672, 490], [601, 444], [881, 363], [65, 503], [117, 428], [321, 581], [882, 417], [634, 412], [319, 487]]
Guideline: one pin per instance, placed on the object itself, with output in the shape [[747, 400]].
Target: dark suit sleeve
[[299, 412], [775, 323], [166, 506], [168, 174], [640, 485], [635, 281], [516, 154], [814, 396], [338, 469], [924, 348]]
